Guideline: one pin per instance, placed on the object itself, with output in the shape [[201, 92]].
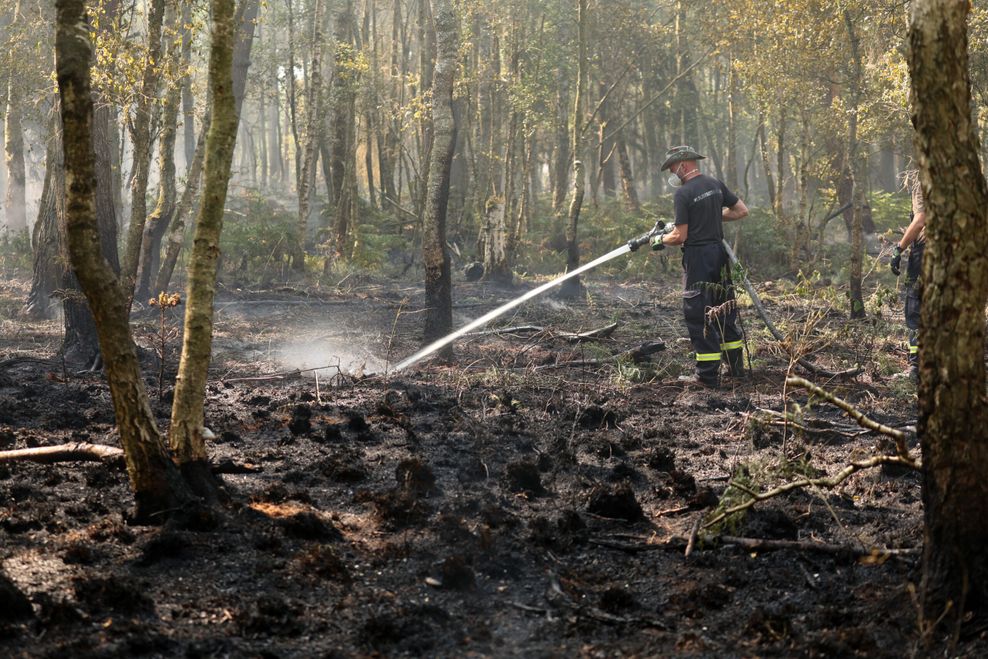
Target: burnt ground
[[496, 506]]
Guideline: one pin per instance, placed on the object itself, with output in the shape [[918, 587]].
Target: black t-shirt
[[699, 203]]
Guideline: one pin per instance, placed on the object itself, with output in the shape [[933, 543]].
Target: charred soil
[[501, 505]]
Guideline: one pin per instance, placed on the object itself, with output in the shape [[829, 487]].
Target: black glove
[[657, 244], [896, 263]]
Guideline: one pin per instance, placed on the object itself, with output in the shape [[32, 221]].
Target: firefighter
[[913, 239], [702, 204]]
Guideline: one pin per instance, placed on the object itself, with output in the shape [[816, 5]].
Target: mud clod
[[415, 477], [524, 477], [456, 574], [14, 605], [615, 502], [617, 600], [301, 422], [596, 417], [309, 526], [115, 594]]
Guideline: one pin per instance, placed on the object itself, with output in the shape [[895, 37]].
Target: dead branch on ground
[[762, 544], [826, 482], [636, 355], [863, 421], [75, 452]]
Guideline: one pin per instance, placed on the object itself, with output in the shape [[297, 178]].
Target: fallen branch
[[110, 455], [761, 544], [825, 428], [599, 333], [863, 421], [75, 452], [636, 355], [532, 329], [284, 374], [694, 533], [828, 482], [779, 336], [556, 592], [675, 544]]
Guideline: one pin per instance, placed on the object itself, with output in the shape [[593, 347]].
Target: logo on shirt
[[708, 193]]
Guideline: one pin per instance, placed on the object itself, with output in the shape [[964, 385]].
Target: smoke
[[328, 354]]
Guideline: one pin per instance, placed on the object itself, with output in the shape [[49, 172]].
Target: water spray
[[630, 246]]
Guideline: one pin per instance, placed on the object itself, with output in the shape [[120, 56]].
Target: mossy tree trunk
[[157, 485], [438, 287], [141, 142], [307, 176], [952, 412], [187, 418]]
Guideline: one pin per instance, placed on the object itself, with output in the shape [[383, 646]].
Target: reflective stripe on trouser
[[735, 357], [708, 286]]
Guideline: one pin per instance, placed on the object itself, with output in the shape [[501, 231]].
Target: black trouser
[[914, 297], [711, 321]]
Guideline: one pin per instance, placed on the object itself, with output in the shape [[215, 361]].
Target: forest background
[[335, 101]]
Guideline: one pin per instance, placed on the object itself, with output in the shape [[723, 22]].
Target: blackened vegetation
[[451, 511]]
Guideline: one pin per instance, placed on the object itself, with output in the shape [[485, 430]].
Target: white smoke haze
[[288, 335], [317, 352]]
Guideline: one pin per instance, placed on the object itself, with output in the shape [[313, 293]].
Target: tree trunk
[[731, 150], [15, 203], [187, 418], [291, 92], [952, 424], [176, 230], [686, 103], [141, 133], [438, 287], [160, 218], [307, 178], [858, 172], [627, 178], [188, 100], [47, 273], [561, 155], [154, 479], [572, 286], [343, 130]]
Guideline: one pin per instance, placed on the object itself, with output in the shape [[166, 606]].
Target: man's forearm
[[736, 212], [913, 230]]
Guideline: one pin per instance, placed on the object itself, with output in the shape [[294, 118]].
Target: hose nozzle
[[643, 239]]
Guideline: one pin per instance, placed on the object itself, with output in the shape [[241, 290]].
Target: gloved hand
[[896, 263], [657, 244]]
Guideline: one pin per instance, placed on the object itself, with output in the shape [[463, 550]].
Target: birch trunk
[[187, 418], [156, 483]]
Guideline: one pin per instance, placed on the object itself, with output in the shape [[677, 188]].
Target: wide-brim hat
[[678, 154]]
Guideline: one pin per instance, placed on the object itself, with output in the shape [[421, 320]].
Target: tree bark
[[342, 133], [438, 287], [952, 414], [627, 177], [572, 286], [307, 177], [188, 100], [859, 175], [142, 139], [15, 202], [188, 415], [157, 486], [160, 217], [47, 273]]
